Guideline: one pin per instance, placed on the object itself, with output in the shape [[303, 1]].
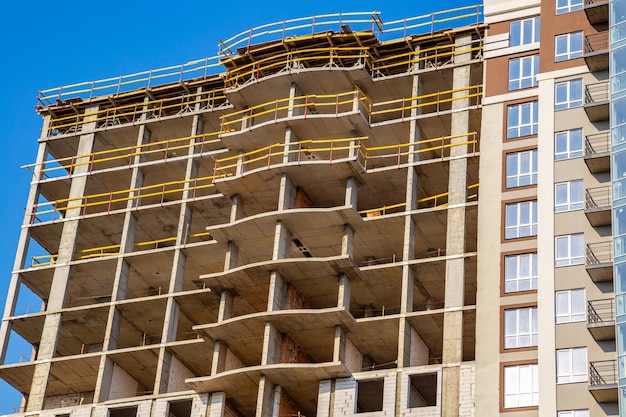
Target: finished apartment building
[[338, 215]]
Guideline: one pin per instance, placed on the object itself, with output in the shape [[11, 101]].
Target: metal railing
[[601, 311], [597, 92], [597, 42], [599, 253], [597, 143], [603, 372], [599, 197]]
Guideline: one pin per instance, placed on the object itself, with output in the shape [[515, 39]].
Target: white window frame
[[570, 100], [570, 306], [528, 31], [525, 165], [573, 413], [527, 119], [521, 386], [568, 196], [571, 365], [567, 6], [525, 75], [520, 219], [520, 272], [570, 137], [573, 49], [520, 327], [573, 252]]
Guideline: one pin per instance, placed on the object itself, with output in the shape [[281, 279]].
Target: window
[[369, 395], [521, 168], [520, 272], [573, 413], [522, 119], [523, 72], [570, 306], [569, 249], [520, 327], [423, 390], [571, 365], [524, 32], [568, 144], [521, 219], [521, 386], [568, 46], [568, 196], [568, 94], [566, 6]]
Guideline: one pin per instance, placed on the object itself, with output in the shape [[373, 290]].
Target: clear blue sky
[[47, 44]]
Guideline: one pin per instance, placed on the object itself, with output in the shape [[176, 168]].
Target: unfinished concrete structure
[[293, 228]]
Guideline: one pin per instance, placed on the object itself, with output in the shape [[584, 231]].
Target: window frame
[[569, 52], [521, 221], [516, 178], [522, 262], [570, 259], [521, 81], [532, 395], [571, 6], [582, 412], [574, 297], [571, 152], [522, 128], [535, 26], [569, 102], [572, 202], [519, 327], [572, 377]]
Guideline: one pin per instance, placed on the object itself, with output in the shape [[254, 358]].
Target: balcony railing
[[603, 373], [597, 148], [599, 197], [601, 311], [599, 253], [597, 42], [597, 92]]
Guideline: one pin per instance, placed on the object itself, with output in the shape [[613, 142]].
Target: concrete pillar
[[232, 253], [455, 241], [287, 193], [271, 344], [291, 146], [343, 298], [277, 297], [236, 209], [282, 242], [351, 193], [220, 350], [347, 241], [226, 306], [265, 398], [294, 92]]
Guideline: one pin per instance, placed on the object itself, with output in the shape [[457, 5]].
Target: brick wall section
[[232, 361], [287, 407], [419, 350], [122, 384], [302, 199], [290, 352], [405, 392], [353, 359], [295, 300], [346, 392], [178, 374], [68, 400], [467, 391]]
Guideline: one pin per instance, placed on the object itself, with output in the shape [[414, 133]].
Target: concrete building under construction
[[295, 227]]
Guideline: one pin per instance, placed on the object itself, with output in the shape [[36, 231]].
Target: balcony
[[597, 11], [601, 319], [599, 261], [598, 206], [597, 152], [596, 51], [603, 381], [597, 101]]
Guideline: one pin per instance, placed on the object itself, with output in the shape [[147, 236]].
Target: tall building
[[338, 215]]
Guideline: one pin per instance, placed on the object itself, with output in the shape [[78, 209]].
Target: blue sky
[[48, 44]]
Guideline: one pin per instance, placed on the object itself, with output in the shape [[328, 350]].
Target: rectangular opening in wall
[[180, 408], [423, 390], [369, 395], [62, 415], [123, 412]]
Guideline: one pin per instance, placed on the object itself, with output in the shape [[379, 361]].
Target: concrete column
[[455, 241], [220, 350], [271, 344], [277, 298], [287, 193], [291, 147], [294, 92], [236, 209], [345, 352], [347, 241], [232, 253], [343, 298], [282, 242], [265, 398], [351, 193], [226, 306]]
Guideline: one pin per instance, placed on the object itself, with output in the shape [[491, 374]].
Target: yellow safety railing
[[296, 152], [154, 194], [433, 22], [316, 57], [134, 112], [400, 109], [200, 68], [438, 200], [398, 154], [123, 156], [43, 260], [311, 104]]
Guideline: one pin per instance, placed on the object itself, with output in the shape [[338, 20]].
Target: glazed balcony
[[599, 261], [597, 101], [601, 319], [603, 380], [596, 51], [598, 206], [597, 152]]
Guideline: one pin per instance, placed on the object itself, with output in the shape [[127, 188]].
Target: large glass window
[[568, 144], [520, 327], [566, 6], [521, 168], [520, 272], [570, 305], [569, 249], [568, 94], [571, 365], [523, 72], [523, 32], [521, 219], [521, 386], [522, 119], [568, 46], [568, 196]]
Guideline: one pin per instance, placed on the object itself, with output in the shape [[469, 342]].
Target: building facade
[[338, 215]]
